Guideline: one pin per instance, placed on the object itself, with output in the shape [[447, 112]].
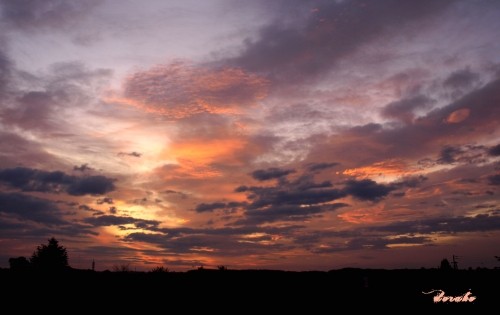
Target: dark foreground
[[254, 290]]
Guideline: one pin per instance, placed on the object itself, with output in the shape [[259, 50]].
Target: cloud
[[82, 168], [332, 31], [405, 109], [108, 220], [494, 151], [289, 200], [107, 200], [210, 207], [380, 142], [367, 189], [447, 225], [40, 102], [216, 242], [373, 243], [458, 116], [5, 71], [461, 79], [470, 154], [91, 185], [494, 180], [28, 179], [271, 173], [26, 207], [35, 16], [132, 154], [179, 90], [315, 167]]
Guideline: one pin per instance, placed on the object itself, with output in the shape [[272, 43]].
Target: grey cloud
[[315, 167], [40, 108], [34, 16], [107, 200], [470, 154], [372, 243], [494, 151], [472, 116], [271, 173], [405, 109], [26, 207], [334, 30], [461, 79], [367, 189], [210, 207], [91, 185], [480, 222], [5, 71], [28, 179], [494, 180], [132, 154], [108, 220], [82, 168]]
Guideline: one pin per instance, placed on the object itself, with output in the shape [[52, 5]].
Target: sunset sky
[[279, 134]]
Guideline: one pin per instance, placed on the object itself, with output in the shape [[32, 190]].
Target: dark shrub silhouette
[[19, 264], [50, 257], [159, 269], [122, 268]]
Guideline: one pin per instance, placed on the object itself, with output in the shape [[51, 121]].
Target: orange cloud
[[180, 90], [458, 116], [389, 169]]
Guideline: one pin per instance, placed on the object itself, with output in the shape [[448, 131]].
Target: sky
[[283, 134]]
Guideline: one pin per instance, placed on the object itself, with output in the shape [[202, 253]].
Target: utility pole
[[93, 265], [455, 262]]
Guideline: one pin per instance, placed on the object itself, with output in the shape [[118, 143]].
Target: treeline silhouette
[[48, 268]]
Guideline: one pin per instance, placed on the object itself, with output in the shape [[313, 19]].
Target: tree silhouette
[[50, 257], [19, 264], [445, 264]]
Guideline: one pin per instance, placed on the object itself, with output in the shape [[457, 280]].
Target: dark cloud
[[28, 179], [107, 200], [271, 173], [372, 243], [472, 116], [333, 30], [367, 189], [480, 222], [288, 200], [494, 151], [405, 109], [494, 180], [82, 168], [448, 154], [26, 207], [470, 154], [5, 71], [209, 207], [91, 185], [90, 209], [33, 15], [175, 193], [316, 167], [108, 220], [290, 212], [461, 79], [133, 154]]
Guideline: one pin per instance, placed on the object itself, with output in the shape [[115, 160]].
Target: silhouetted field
[[251, 289]]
